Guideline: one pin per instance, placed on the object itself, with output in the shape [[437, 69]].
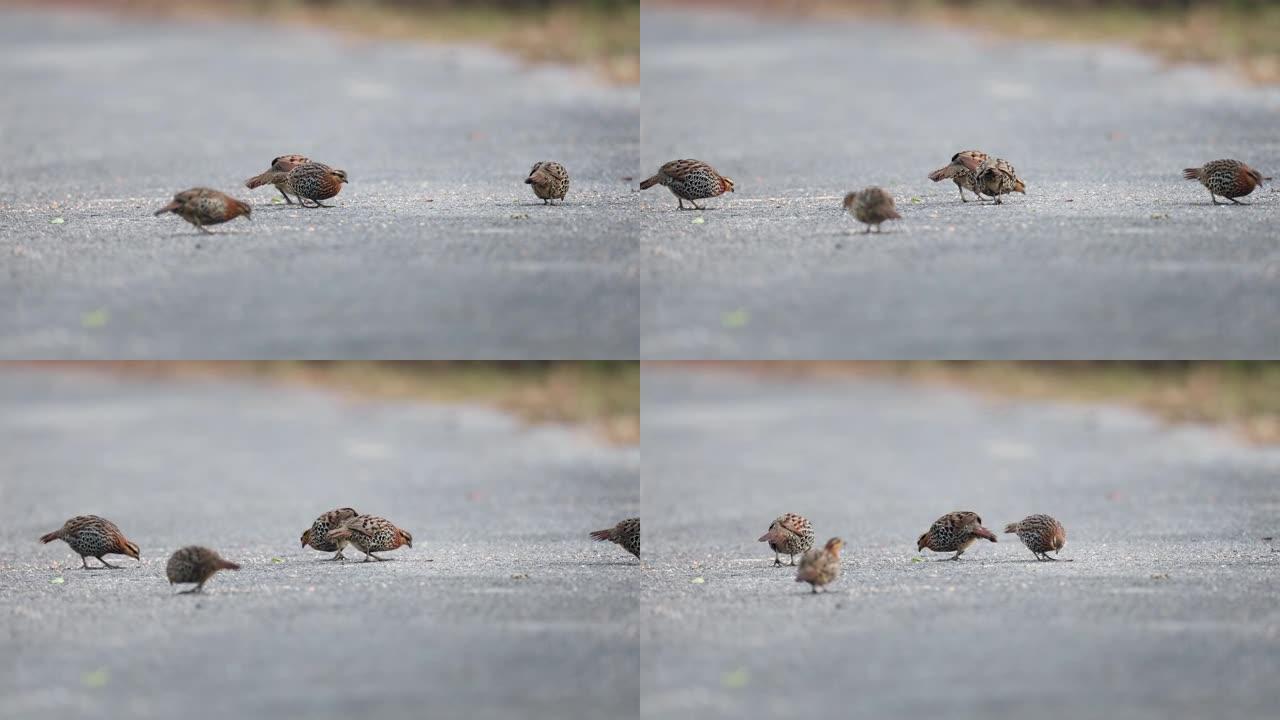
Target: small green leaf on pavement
[[735, 319], [95, 318]]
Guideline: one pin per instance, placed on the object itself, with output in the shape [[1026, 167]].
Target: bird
[[791, 534], [1041, 534], [284, 163], [690, 180], [871, 206], [1229, 178], [994, 176], [961, 173], [202, 206], [820, 567], [93, 536], [954, 531], [625, 533], [371, 534], [309, 181], [317, 536], [550, 181], [195, 564]]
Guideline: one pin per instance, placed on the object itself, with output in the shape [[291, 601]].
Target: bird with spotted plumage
[[272, 176], [312, 181], [954, 532], [317, 536], [204, 206], [1230, 179], [549, 180], [959, 171], [871, 206], [690, 180], [790, 534], [626, 534], [1042, 534], [371, 534], [93, 536]]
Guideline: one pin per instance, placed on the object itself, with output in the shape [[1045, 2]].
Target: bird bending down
[[960, 172], [690, 180], [871, 206], [317, 536], [1229, 178], [202, 206], [282, 164], [820, 567], [1041, 534], [625, 533], [371, 534], [550, 181], [790, 534], [954, 532], [93, 536]]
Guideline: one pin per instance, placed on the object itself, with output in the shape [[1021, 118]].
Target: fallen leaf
[[917, 559], [520, 576], [56, 221], [95, 318], [735, 319], [277, 201], [96, 679], [916, 201], [698, 221], [276, 560], [519, 216], [698, 581], [1160, 576], [735, 679], [57, 581]]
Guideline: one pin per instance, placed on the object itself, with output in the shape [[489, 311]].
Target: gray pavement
[[435, 249], [1109, 255], [503, 608], [1167, 610]]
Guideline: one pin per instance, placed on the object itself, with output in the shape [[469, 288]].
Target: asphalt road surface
[[503, 608], [1111, 254], [1167, 609], [435, 249]]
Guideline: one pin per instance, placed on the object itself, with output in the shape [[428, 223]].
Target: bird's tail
[[1191, 174], [649, 183], [50, 537], [604, 535], [270, 176], [984, 533], [1011, 528], [227, 565], [168, 208], [943, 173], [893, 215], [342, 533]]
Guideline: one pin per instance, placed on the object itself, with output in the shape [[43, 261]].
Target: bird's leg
[[867, 231], [320, 204], [545, 201], [793, 561], [777, 560], [696, 206], [104, 562], [286, 196], [1051, 559], [199, 588], [680, 202], [1237, 201], [1214, 198], [814, 587], [956, 556], [375, 557], [84, 562], [961, 189], [338, 556], [999, 201]]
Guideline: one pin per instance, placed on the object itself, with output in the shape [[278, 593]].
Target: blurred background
[[1244, 33], [600, 33]]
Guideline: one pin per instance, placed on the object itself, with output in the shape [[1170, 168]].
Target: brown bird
[[690, 180], [92, 536], [371, 534], [625, 533], [550, 181], [790, 534], [309, 181], [820, 567], [195, 564], [1041, 534], [961, 173], [1229, 178], [317, 536], [954, 531], [994, 176], [202, 206], [284, 164], [871, 206]]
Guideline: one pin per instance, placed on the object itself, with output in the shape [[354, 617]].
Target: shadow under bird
[[994, 176], [871, 206], [820, 567], [959, 171], [550, 181], [317, 536], [790, 534], [309, 181], [371, 534], [93, 536], [1042, 534], [282, 164], [1229, 178], [954, 532], [202, 206], [690, 180], [195, 564], [625, 533]]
